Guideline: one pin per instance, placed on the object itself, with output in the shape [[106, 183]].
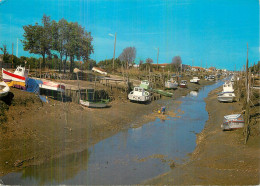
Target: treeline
[[58, 42]]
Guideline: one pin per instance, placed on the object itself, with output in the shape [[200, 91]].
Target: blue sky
[[212, 32]]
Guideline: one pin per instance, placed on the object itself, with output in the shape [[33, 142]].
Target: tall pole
[[114, 53], [157, 59], [12, 54], [246, 130], [17, 48]]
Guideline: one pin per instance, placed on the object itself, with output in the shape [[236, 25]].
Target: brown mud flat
[[220, 158], [36, 132]]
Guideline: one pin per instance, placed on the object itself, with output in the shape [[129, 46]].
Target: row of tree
[[68, 40]]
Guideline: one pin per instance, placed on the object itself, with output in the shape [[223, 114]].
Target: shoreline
[[219, 157], [32, 127]]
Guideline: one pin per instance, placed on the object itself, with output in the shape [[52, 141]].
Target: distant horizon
[[202, 31]]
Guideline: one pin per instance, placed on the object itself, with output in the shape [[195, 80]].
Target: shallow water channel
[[131, 156]]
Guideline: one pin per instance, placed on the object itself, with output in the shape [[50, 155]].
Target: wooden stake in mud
[[247, 116], [114, 53]]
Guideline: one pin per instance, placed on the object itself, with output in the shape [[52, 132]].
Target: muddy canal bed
[[131, 156]]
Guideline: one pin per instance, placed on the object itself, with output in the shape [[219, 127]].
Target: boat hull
[[4, 89], [233, 125], [183, 86], [225, 99], [93, 104], [9, 76], [133, 97], [52, 86]]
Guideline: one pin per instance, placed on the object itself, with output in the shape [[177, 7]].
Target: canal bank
[[220, 158]]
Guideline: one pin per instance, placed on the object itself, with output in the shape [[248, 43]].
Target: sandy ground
[[36, 132], [220, 158]]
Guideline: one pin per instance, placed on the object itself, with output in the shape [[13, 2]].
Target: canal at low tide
[[131, 156]]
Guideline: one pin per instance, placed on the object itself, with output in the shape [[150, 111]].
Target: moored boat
[[16, 78], [183, 84], [171, 84], [211, 78], [50, 85], [92, 104], [228, 87], [195, 80], [226, 97], [139, 94], [145, 84], [164, 93], [234, 121], [4, 89]]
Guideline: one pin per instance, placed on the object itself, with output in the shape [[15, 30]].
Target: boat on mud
[[145, 84], [228, 87], [226, 97], [163, 93], [171, 84], [183, 84], [139, 95], [93, 104], [234, 121], [16, 78], [211, 78], [4, 89], [50, 85], [195, 80]]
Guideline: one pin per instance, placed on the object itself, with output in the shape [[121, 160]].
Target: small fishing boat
[[195, 80], [183, 84], [16, 78], [92, 104], [4, 89], [50, 85], [228, 87], [234, 121], [139, 94], [226, 97], [145, 84], [164, 93], [171, 84], [211, 78]]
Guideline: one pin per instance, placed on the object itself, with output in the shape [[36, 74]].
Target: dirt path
[[220, 157]]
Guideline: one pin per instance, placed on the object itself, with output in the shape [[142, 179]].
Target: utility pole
[[17, 48], [157, 59], [246, 129], [12, 54], [114, 53]]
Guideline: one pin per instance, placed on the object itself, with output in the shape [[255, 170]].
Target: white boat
[[171, 84], [50, 85], [18, 77], [228, 87], [226, 97], [195, 80], [183, 84], [101, 104], [232, 79], [139, 94], [234, 121], [211, 78], [4, 89]]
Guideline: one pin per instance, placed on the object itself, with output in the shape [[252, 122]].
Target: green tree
[[38, 39]]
